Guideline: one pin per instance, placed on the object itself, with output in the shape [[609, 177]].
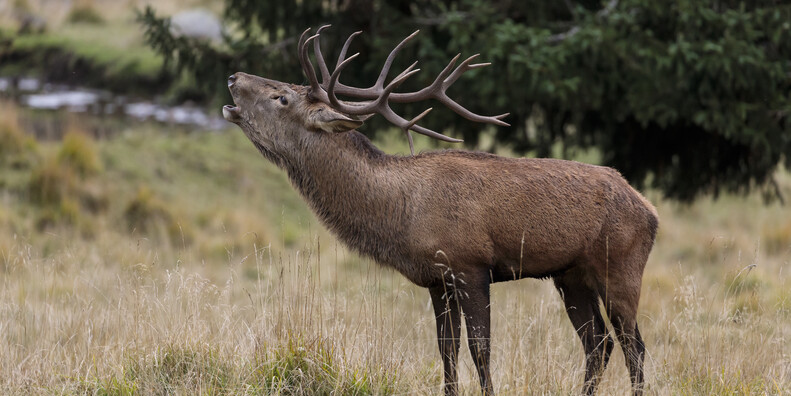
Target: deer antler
[[379, 96]]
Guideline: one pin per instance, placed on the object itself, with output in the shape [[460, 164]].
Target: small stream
[[49, 110]]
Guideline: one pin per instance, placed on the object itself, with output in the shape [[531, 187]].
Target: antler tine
[[345, 48], [411, 124], [429, 91], [400, 122], [302, 38], [395, 83], [307, 66], [334, 80], [391, 58], [300, 52], [407, 70], [436, 135], [416, 119], [437, 90], [325, 73], [460, 110], [409, 139], [463, 67], [443, 97]]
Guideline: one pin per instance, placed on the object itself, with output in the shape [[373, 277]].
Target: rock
[[196, 23]]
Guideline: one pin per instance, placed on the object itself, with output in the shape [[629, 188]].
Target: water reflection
[[51, 107], [78, 101]]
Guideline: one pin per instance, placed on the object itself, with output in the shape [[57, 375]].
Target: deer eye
[[283, 100]]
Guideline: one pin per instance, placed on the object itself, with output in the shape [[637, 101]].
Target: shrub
[[16, 148], [144, 209], [50, 183], [93, 197], [78, 152], [85, 12], [147, 213], [61, 184], [66, 212], [11, 139], [777, 240]]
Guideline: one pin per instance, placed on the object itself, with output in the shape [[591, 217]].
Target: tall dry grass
[[258, 301], [111, 317]]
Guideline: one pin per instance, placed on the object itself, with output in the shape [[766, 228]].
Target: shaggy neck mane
[[354, 189]]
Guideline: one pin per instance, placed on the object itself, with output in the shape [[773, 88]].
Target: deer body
[[456, 221], [514, 218]]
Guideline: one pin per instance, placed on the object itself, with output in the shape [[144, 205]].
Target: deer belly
[[538, 254]]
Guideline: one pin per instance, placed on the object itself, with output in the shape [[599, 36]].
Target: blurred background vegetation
[[146, 247], [651, 84]]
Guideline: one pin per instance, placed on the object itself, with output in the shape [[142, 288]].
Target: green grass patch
[[299, 367], [89, 55], [294, 368]]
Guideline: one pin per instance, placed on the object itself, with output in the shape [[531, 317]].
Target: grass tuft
[[148, 214], [78, 152], [299, 367], [85, 12], [17, 149], [777, 239], [64, 185], [51, 183], [174, 367]]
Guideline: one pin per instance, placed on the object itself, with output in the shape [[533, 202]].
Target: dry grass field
[[178, 263]]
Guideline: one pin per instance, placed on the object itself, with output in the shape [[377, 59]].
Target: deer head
[[275, 114]]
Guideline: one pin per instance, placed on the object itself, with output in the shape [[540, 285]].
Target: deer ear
[[332, 121]]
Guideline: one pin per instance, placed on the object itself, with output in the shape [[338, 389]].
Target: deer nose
[[231, 80]]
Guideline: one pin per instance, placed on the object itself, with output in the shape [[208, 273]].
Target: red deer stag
[[485, 218]]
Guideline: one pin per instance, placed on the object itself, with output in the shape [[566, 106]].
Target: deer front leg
[[474, 301], [446, 310]]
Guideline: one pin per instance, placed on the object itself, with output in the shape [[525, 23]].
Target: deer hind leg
[[621, 307], [446, 310], [475, 306], [582, 307], [621, 293]]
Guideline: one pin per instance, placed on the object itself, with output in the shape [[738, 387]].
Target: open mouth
[[231, 113]]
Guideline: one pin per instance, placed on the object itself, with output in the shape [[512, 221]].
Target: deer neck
[[354, 189]]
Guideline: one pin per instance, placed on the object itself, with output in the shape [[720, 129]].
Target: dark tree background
[[687, 96]]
